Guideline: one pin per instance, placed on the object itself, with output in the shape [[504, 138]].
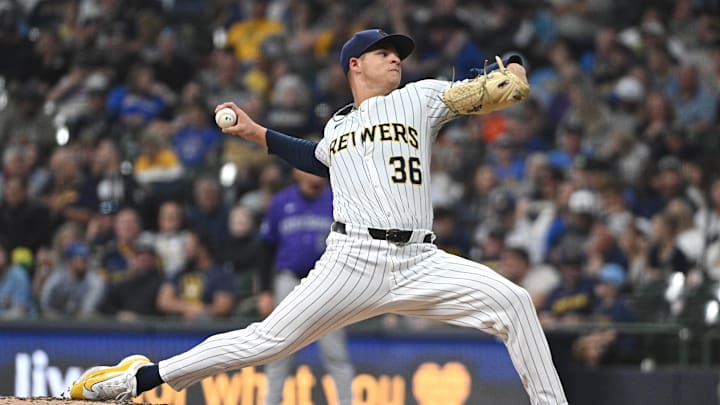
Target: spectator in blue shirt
[[570, 148], [197, 142], [508, 167], [15, 291], [139, 101]]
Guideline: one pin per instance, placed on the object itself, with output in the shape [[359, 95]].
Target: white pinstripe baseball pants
[[332, 347], [359, 278]]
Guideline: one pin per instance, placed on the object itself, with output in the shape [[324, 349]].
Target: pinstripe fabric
[[357, 279], [379, 160], [333, 350]]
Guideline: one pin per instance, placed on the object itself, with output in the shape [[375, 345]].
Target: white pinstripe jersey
[[379, 157]]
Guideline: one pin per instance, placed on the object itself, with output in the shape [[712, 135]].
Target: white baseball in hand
[[225, 117]]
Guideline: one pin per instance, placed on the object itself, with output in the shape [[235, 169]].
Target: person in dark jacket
[[136, 296], [23, 222]]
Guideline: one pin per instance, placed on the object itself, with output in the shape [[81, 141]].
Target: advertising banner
[[389, 370]]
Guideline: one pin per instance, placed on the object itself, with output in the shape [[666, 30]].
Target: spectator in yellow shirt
[[157, 163], [247, 36], [159, 172]]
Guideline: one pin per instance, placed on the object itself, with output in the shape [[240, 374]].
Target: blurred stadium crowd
[[599, 193]]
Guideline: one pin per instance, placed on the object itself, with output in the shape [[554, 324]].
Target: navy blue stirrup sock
[[148, 377]]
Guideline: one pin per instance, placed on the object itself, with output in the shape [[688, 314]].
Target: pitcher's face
[[382, 66]]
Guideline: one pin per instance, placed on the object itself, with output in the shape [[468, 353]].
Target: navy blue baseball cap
[[363, 41]]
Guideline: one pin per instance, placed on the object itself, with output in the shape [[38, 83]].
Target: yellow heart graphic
[[449, 385]]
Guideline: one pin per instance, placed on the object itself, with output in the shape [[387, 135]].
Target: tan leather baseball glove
[[488, 92]]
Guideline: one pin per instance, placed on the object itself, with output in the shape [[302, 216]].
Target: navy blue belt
[[390, 235]]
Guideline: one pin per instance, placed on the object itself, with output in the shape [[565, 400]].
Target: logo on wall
[[447, 385]]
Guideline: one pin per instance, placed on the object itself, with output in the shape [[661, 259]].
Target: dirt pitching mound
[[56, 401]]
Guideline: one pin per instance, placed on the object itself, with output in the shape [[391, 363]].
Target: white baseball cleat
[[104, 383]]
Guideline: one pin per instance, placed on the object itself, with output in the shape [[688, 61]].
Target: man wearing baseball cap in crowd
[[607, 345], [74, 290], [136, 295], [609, 305]]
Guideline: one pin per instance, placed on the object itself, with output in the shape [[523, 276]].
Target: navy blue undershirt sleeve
[[300, 153]]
